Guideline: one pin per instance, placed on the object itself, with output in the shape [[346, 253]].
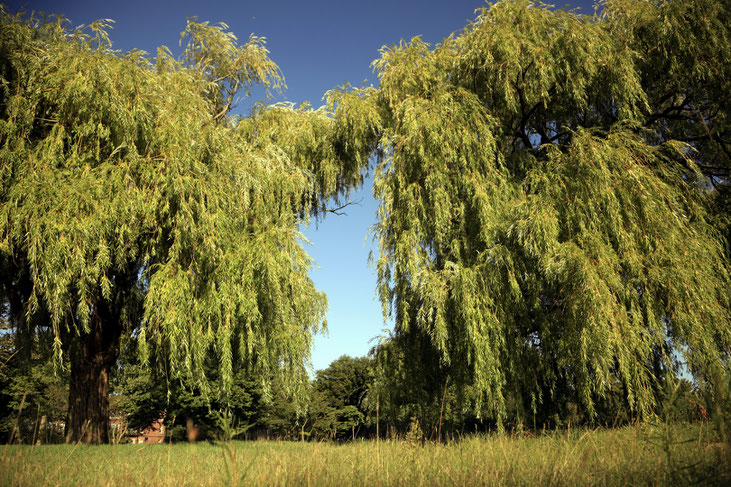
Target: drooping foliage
[[143, 396], [546, 222], [685, 45], [132, 201]]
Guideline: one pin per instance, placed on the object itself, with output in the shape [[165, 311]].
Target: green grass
[[646, 455]]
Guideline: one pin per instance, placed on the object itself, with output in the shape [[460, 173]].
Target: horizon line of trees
[[353, 398]]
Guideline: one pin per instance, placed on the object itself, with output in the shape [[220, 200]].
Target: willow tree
[[133, 202], [544, 219]]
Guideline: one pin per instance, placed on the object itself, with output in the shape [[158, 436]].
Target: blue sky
[[318, 45]]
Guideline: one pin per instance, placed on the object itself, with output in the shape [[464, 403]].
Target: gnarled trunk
[[92, 359]]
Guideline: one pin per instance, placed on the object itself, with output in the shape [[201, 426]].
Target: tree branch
[[232, 93], [337, 211]]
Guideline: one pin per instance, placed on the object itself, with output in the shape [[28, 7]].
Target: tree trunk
[[92, 358]]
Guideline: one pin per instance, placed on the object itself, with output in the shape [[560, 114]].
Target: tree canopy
[[546, 186], [132, 201]]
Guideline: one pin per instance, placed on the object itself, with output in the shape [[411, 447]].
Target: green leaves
[[120, 189], [534, 236], [212, 54]]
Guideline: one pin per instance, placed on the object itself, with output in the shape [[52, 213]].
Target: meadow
[[636, 455]]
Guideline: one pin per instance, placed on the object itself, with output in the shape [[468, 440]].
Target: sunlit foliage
[[132, 201], [544, 224]]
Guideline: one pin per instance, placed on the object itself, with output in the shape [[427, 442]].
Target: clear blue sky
[[319, 45]]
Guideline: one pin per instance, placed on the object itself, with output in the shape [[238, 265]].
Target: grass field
[[641, 455]]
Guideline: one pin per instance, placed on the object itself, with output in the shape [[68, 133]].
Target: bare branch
[[337, 211]]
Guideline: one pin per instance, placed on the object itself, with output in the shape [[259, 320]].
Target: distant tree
[[546, 223], [345, 381], [337, 406], [33, 398], [281, 417], [133, 202]]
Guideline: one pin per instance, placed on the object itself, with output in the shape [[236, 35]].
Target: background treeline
[[353, 398]]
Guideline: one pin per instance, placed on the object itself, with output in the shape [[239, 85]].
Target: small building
[[155, 433]]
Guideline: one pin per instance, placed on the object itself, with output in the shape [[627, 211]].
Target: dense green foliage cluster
[[132, 202], [338, 407], [550, 186], [33, 399], [334, 406]]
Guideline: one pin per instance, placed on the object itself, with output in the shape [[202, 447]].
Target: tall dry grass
[[639, 455]]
